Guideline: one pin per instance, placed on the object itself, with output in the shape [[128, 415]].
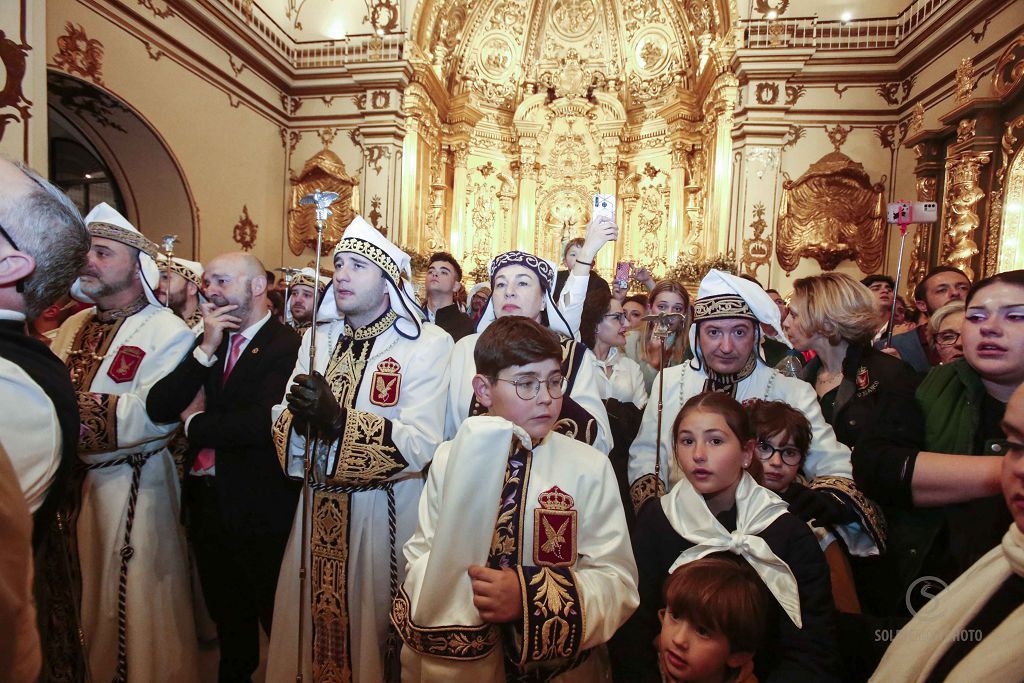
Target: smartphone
[[604, 204], [622, 270]]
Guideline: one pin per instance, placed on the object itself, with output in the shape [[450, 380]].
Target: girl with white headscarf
[[719, 507]]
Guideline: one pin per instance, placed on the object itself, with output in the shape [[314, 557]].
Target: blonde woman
[[669, 297], [944, 329]]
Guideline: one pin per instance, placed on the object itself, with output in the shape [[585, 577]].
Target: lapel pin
[[255, 350]]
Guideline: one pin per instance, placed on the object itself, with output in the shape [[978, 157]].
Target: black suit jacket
[[254, 495]]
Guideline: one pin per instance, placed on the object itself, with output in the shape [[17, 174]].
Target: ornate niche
[[833, 212], [323, 171]]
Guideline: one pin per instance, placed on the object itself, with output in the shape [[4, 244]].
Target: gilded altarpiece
[[543, 103]]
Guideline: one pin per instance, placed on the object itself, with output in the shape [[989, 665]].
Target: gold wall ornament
[[963, 193], [1008, 74], [78, 54], [964, 80], [1004, 248], [965, 129], [832, 213], [917, 118], [757, 251], [323, 171], [244, 232]]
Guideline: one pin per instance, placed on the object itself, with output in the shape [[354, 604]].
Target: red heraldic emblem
[[863, 379], [385, 383], [554, 529], [126, 363]]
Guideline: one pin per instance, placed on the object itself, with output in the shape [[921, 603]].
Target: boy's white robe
[[457, 516]]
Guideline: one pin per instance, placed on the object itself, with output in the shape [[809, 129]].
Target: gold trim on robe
[[455, 642], [869, 513], [366, 454], [98, 430], [645, 488]]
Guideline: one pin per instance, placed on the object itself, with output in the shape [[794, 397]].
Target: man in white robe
[[136, 605], [376, 399], [181, 289], [727, 298]]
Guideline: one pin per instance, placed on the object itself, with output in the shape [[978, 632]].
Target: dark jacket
[[912, 350], [454, 322], [870, 379], [254, 495], [595, 282], [787, 654], [945, 417]]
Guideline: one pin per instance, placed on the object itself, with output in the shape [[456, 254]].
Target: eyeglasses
[[617, 317], [947, 338], [790, 455], [529, 388]]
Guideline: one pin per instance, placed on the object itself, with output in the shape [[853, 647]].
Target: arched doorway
[[94, 133]]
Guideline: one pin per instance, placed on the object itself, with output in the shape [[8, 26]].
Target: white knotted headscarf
[[756, 509]]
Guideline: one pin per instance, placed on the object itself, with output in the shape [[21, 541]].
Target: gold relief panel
[[963, 193], [832, 213], [323, 171], [757, 251], [1008, 74], [573, 19]]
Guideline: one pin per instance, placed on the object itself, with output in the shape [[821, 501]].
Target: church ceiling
[[638, 47]]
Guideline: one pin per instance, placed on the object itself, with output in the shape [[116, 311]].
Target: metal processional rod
[[168, 244], [321, 201]]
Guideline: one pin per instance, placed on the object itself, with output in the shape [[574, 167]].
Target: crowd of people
[[543, 476]]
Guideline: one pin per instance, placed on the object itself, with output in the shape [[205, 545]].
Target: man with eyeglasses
[[729, 313], [374, 399], [43, 243], [128, 544]]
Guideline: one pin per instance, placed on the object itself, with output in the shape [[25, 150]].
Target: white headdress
[[105, 221]]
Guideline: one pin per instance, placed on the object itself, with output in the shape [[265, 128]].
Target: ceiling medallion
[[651, 52], [496, 57], [573, 18]]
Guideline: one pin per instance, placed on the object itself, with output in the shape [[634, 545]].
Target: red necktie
[[205, 458]]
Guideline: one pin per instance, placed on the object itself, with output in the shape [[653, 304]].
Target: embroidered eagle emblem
[[383, 387], [556, 539], [386, 383]]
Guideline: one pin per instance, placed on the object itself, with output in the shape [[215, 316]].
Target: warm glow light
[[336, 30], [1012, 208], [847, 16], [773, 15]]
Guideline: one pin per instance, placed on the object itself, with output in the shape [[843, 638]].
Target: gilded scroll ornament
[[962, 196], [244, 232], [918, 267], [13, 64], [1009, 71], [965, 130], [917, 117], [832, 213], [323, 171]]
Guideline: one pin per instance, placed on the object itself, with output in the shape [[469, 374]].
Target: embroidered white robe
[[160, 636], [571, 521], [415, 425]]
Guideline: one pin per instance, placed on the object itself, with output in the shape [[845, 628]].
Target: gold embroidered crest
[[554, 530]]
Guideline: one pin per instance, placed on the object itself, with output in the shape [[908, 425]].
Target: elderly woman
[[971, 631], [934, 463], [836, 317], [944, 327], [523, 284]]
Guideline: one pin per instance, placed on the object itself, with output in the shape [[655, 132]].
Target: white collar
[[7, 314]]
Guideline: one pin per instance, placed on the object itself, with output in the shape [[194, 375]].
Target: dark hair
[[271, 278], [1009, 277], [768, 418], [276, 300], [723, 404], [446, 258], [878, 277], [574, 242], [771, 290], [636, 299], [722, 593], [922, 287], [514, 340], [595, 306]]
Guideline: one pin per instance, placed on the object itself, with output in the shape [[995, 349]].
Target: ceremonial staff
[[289, 275], [321, 202], [903, 221], [168, 241], [662, 323]]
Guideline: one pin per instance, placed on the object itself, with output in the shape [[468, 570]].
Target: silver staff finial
[[289, 274], [168, 242], [322, 200], [663, 323]]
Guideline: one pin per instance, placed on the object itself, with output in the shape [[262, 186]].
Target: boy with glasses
[[520, 532]]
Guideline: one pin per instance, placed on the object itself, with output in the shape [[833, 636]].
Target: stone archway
[[156, 195]]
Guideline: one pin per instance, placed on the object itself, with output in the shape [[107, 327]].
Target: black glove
[[311, 400], [818, 507]]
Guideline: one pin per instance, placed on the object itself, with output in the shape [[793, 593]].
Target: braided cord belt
[[136, 460], [392, 666]]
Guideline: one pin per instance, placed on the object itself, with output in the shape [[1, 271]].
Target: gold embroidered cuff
[[870, 514], [98, 431], [553, 620], [281, 432], [644, 489], [446, 642], [366, 454]]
